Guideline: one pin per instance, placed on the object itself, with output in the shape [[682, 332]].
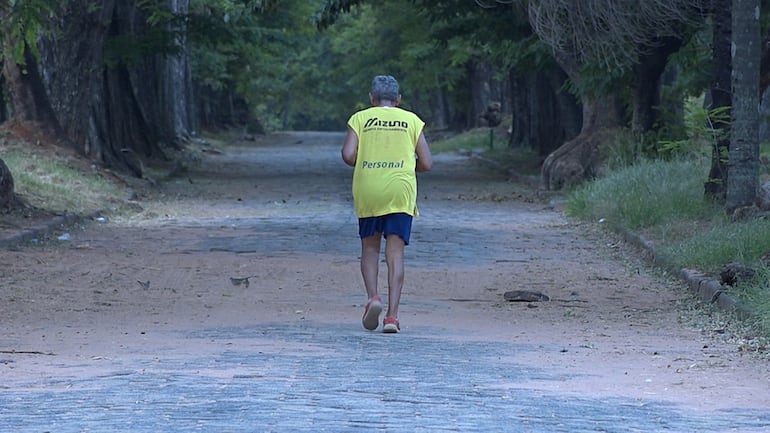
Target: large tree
[[118, 80], [603, 45], [108, 79]]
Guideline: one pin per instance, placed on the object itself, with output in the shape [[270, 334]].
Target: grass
[[664, 200], [743, 242], [646, 194], [757, 294], [473, 140], [48, 180]]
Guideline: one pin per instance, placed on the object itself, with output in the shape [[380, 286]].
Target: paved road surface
[[323, 373]]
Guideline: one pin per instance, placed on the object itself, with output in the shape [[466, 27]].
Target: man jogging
[[386, 145]]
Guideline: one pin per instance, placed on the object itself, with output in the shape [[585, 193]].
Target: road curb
[[704, 286]]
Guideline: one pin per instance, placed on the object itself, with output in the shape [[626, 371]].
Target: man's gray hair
[[385, 88]]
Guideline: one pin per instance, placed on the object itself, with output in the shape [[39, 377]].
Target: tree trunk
[[31, 107], [578, 159], [647, 88], [715, 186], [439, 109], [92, 99], [672, 103], [544, 114], [162, 84], [480, 76], [520, 132], [743, 165], [8, 197], [116, 109], [764, 65]]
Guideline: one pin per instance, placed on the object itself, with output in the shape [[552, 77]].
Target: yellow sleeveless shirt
[[384, 180]]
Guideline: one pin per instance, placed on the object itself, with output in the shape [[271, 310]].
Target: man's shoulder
[[407, 110], [412, 117], [406, 113], [392, 113], [361, 112]]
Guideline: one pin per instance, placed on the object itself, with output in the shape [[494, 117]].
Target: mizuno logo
[[375, 122]]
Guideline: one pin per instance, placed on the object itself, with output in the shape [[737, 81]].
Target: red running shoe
[[390, 325]]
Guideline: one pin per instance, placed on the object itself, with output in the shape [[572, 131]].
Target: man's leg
[[370, 258], [394, 255]]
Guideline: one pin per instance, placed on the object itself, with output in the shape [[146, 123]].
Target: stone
[[525, 296]]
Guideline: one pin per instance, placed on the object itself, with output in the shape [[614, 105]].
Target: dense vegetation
[[128, 83]]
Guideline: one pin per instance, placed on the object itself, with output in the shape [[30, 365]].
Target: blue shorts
[[391, 224]]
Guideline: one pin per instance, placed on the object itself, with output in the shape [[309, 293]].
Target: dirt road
[[137, 324]]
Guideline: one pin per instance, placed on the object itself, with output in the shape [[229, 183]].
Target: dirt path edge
[[705, 287]]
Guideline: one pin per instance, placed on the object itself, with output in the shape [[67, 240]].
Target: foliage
[[293, 77], [691, 65], [429, 49], [405, 49], [626, 149], [331, 10], [702, 130], [700, 133], [257, 53], [21, 22], [268, 55], [160, 36], [599, 42]]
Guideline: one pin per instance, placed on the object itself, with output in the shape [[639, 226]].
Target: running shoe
[[390, 325], [372, 312]]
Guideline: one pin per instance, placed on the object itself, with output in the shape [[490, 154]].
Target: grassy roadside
[[55, 184], [663, 200], [52, 181]]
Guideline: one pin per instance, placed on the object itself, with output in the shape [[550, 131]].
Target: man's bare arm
[[424, 158], [350, 148]]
